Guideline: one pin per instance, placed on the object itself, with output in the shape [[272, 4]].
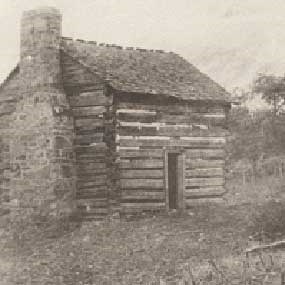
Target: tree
[[272, 89]]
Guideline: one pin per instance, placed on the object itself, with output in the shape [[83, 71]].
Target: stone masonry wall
[[42, 178], [8, 98]]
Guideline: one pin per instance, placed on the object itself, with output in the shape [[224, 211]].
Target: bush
[[268, 221]]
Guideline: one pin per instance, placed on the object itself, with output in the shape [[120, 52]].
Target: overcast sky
[[183, 26]]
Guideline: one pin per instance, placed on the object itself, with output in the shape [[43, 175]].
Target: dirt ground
[[204, 245]]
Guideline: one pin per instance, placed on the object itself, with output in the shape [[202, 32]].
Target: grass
[[205, 244]]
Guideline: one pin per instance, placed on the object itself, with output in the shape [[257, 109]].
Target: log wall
[[90, 108], [145, 130]]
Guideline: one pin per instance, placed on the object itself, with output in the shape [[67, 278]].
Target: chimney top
[[41, 11], [40, 46]]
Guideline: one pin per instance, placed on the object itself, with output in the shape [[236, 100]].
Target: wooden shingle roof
[[145, 71]]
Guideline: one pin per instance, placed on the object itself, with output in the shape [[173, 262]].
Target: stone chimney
[[43, 177], [40, 44]]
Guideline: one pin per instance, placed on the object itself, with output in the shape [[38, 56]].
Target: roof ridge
[[118, 46]]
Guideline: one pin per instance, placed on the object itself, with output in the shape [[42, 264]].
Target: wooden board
[[191, 154], [87, 123], [88, 139], [139, 183], [99, 148], [204, 182], [204, 172], [156, 153], [136, 117], [204, 192], [164, 141], [141, 173], [91, 166], [88, 111], [173, 130], [100, 180], [141, 164], [142, 195], [143, 206], [204, 163], [97, 193], [99, 203], [88, 175], [175, 108], [203, 201]]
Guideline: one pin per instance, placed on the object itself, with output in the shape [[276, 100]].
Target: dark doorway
[[173, 180]]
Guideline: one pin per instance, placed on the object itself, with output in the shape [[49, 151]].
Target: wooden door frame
[[181, 179]]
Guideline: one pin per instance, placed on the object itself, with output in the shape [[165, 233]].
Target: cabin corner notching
[[97, 126]]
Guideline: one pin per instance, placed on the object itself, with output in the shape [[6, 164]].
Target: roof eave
[[121, 91], [14, 71]]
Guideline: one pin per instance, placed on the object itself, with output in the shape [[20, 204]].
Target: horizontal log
[[156, 153], [141, 164], [203, 202], [139, 183], [82, 160], [95, 212], [89, 175], [90, 159], [84, 194], [143, 112], [88, 139], [89, 128], [204, 172], [141, 173], [175, 108], [142, 195], [86, 122], [204, 182], [98, 148], [204, 192], [88, 111], [143, 206], [90, 99], [81, 131], [136, 117], [92, 203], [199, 139], [140, 200], [91, 166], [172, 130], [209, 119], [81, 157], [85, 174], [100, 180], [204, 163], [204, 153], [168, 141]]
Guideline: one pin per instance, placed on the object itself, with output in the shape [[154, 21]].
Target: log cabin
[[106, 129]]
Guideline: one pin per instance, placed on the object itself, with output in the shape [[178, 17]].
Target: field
[[205, 245]]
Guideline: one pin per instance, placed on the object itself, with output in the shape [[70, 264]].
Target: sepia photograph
[[142, 142]]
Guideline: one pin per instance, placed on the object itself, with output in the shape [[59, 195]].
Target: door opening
[[175, 180]]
